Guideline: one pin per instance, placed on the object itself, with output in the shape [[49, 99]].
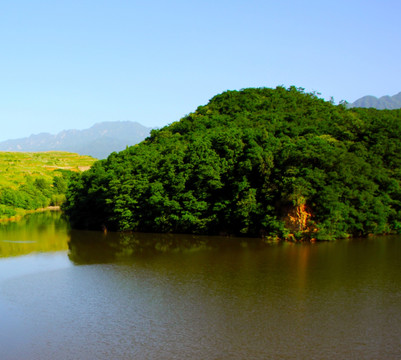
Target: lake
[[67, 294]]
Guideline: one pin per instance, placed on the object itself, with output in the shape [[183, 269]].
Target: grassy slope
[[15, 167]]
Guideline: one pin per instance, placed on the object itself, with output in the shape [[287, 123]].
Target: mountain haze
[[98, 141], [384, 102]]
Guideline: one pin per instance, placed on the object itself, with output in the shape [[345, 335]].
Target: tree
[[247, 163]]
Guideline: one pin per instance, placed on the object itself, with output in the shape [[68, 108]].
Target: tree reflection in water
[[92, 247]]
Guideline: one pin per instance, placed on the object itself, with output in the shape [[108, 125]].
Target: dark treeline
[[256, 162]]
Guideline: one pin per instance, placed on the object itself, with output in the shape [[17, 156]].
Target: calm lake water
[[85, 295]]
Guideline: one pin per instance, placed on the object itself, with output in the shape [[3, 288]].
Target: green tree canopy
[[277, 162]]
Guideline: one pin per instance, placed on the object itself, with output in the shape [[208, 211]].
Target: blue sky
[[71, 64]]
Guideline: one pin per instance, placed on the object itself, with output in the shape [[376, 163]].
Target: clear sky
[[70, 64]]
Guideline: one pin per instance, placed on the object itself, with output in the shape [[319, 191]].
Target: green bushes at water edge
[[33, 194], [30, 181], [272, 162]]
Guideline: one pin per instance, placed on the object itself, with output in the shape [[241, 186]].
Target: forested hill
[[272, 162]]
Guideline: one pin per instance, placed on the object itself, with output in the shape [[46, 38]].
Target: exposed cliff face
[[299, 220]]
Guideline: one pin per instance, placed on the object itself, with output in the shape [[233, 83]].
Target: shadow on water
[[50, 232], [90, 247]]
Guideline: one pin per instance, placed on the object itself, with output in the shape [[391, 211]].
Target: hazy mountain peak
[[99, 140], [384, 102]]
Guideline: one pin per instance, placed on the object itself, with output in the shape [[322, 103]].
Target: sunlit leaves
[[240, 163]]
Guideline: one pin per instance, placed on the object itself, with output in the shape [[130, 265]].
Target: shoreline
[[25, 212]]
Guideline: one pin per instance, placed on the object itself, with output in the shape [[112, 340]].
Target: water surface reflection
[[92, 247], [149, 296], [35, 233]]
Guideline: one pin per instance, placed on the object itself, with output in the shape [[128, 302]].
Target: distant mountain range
[[385, 102], [98, 141]]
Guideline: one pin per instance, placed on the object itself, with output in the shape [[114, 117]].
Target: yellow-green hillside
[[29, 181]]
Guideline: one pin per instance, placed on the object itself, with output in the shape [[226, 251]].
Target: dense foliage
[[275, 162], [33, 194]]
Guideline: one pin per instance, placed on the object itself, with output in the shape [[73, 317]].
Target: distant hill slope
[[15, 167], [385, 102], [98, 141], [30, 180]]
